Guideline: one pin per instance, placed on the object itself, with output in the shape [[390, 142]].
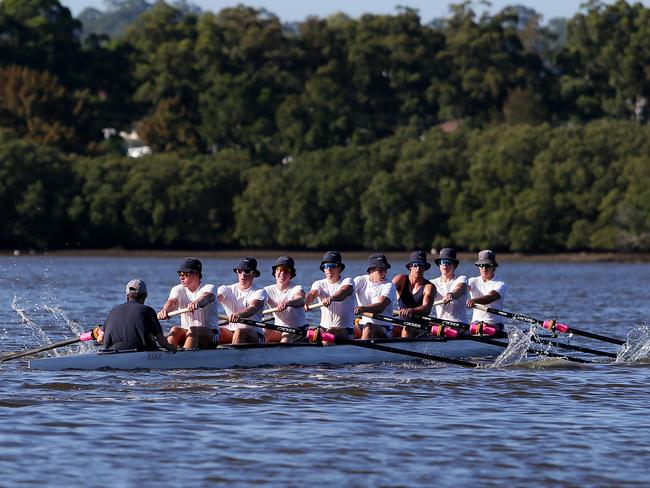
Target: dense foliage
[[378, 132]]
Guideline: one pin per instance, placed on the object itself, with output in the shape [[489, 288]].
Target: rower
[[414, 291], [484, 289], [335, 292], [134, 325], [288, 298], [200, 326], [243, 300], [450, 289], [374, 295]]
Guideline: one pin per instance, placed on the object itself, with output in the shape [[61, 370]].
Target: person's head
[[417, 263], [332, 265], [447, 261], [190, 272], [377, 267], [487, 263], [284, 269], [136, 291], [246, 271]]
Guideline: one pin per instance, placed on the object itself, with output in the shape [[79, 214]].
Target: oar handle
[[180, 311], [309, 307]]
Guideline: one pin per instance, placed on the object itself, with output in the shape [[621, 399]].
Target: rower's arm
[[459, 290], [377, 307], [298, 300], [252, 309], [493, 296], [170, 304], [205, 299], [342, 293], [427, 301]]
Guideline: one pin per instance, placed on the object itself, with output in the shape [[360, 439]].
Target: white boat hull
[[250, 356]]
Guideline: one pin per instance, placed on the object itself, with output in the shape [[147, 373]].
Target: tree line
[[526, 188], [326, 132]]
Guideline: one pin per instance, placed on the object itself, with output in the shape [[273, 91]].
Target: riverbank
[[581, 257]]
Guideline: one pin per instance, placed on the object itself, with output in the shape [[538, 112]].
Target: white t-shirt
[[338, 314], [366, 293], [479, 288], [206, 316], [292, 316], [234, 299], [456, 310]]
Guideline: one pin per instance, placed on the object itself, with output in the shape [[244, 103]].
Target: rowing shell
[[276, 354]]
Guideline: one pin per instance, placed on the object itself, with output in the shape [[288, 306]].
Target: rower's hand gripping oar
[[87, 336], [551, 325]]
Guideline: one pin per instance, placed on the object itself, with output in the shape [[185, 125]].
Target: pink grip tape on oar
[[554, 325], [479, 328], [438, 330], [87, 336], [314, 335]]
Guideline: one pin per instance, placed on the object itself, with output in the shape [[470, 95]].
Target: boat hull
[[251, 356]]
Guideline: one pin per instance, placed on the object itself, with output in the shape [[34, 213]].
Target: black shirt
[[131, 325]]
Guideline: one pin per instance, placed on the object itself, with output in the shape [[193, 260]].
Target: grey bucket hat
[[487, 257]]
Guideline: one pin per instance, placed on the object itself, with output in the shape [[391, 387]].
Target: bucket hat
[[287, 262], [487, 257], [419, 258], [247, 263], [332, 257], [377, 261], [447, 253]]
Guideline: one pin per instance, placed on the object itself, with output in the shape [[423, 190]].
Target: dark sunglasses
[[184, 274], [485, 265], [329, 265], [244, 272]]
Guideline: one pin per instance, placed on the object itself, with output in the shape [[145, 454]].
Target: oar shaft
[[29, 352], [564, 328], [487, 340], [404, 352], [266, 325], [571, 347]]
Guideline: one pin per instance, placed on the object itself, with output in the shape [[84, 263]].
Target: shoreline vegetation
[[395, 257], [382, 132]]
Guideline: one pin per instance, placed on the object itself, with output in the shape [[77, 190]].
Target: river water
[[532, 423]]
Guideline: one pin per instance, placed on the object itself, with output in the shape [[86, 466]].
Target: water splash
[[74, 326], [637, 346], [518, 345], [26, 320]]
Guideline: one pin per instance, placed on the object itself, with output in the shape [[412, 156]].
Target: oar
[[309, 307], [88, 336], [266, 325], [367, 344], [447, 325], [549, 324]]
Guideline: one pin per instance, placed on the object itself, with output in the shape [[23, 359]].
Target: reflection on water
[[540, 423]]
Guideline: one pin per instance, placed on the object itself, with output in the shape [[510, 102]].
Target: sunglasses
[[446, 261], [329, 265], [184, 274], [244, 272], [417, 265], [485, 265]]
